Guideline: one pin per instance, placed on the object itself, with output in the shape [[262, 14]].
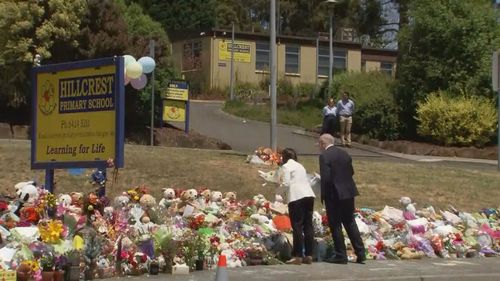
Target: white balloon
[[134, 70]]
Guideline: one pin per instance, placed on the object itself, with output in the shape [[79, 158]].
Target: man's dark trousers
[[341, 212]]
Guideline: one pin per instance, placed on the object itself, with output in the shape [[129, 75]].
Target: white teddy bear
[[168, 197], [64, 200], [409, 208]]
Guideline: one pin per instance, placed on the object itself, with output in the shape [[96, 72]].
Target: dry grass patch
[[380, 182]]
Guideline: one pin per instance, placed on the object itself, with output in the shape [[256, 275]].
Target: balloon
[[140, 82], [134, 70], [127, 80], [148, 64], [128, 59]]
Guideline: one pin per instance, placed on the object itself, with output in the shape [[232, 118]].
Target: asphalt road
[[245, 136]]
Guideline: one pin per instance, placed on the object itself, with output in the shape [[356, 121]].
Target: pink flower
[[37, 275]]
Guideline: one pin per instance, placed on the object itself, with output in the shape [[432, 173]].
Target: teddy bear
[[410, 211], [77, 199], [168, 197], [64, 200], [407, 253], [121, 201], [216, 197], [102, 262], [204, 198], [147, 201], [230, 196]]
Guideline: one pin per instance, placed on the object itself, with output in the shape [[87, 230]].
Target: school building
[[206, 56]]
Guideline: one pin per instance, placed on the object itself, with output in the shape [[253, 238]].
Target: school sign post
[[77, 115]]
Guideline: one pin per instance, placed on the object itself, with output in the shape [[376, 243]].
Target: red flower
[[324, 220]]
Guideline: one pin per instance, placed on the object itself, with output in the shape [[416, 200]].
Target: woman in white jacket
[[300, 197]]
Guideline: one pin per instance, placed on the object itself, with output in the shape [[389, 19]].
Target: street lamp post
[[331, 4], [272, 45]]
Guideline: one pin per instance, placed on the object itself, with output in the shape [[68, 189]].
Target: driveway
[[245, 136]]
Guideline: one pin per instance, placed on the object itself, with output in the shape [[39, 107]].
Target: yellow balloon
[[134, 70], [78, 242]]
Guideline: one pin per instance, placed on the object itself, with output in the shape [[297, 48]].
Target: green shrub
[[459, 120], [376, 112]]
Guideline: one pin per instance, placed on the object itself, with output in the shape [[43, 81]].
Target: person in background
[[338, 190], [345, 109], [329, 118], [300, 195]]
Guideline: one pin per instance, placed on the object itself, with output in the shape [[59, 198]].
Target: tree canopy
[[446, 45]]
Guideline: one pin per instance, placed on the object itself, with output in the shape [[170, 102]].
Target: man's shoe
[[361, 260], [295, 261], [307, 260], [349, 146], [336, 260]]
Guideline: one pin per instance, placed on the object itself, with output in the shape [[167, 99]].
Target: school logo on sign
[[47, 100]]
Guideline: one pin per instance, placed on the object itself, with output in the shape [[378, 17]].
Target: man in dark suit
[[337, 194]]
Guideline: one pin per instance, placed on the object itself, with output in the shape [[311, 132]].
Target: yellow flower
[[51, 231]]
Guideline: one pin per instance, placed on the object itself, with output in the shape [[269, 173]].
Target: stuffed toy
[[407, 253], [121, 201], [64, 200], [410, 211], [77, 199], [102, 262], [20, 185], [216, 196], [168, 197], [278, 206], [204, 198], [147, 201], [230, 196], [27, 195]]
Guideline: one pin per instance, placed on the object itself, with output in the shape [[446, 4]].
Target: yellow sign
[[177, 90], [174, 110], [75, 115], [242, 51]]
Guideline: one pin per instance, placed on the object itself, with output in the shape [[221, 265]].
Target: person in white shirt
[[329, 118], [300, 197]]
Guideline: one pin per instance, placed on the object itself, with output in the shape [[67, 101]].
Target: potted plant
[[72, 269], [60, 265], [165, 246], [93, 246], [200, 245], [47, 266], [154, 267]]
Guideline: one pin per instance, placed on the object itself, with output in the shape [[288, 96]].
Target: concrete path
[[477, 269]]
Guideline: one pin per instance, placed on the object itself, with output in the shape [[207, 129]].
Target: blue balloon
[[148, 64]]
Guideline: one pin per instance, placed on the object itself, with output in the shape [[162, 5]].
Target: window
[[386, 67], [262, 56], [292, 59], [339, 60], [191, 55]]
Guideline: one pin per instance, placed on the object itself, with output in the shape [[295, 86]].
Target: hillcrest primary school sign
[[78, 114]]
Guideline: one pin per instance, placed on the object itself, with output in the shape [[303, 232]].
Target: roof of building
[[303, 40]]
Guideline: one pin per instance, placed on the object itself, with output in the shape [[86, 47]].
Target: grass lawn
[[306, 115], [380, 182]]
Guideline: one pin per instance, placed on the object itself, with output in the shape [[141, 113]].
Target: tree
[[446, 45], [141, 29], [181, 15], [28, 28], [104, 32]]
